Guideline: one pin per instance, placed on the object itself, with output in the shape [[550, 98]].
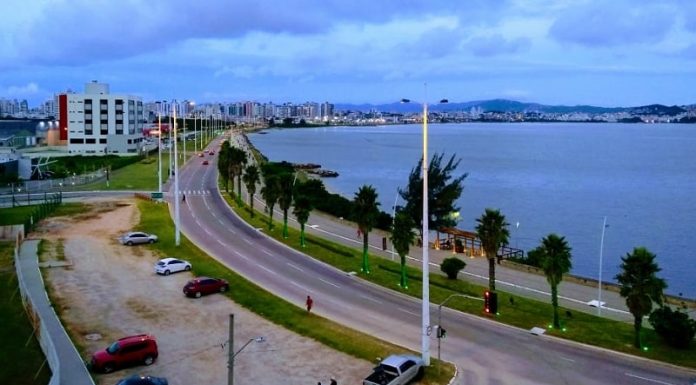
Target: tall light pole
[[195, 133], [601, 251], [232, 354], [159, 149], [425, 308], [177, 234]]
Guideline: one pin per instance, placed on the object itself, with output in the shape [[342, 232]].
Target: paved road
[[485, 352]]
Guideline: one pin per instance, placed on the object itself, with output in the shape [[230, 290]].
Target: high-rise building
[[97, 122]]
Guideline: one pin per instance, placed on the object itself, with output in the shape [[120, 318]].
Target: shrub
[[675, 327], [452, 266]]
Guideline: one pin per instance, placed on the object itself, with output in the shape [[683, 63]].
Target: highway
[[485, 352]]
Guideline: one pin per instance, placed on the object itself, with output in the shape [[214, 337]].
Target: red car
[[127, 351], [204, 285]]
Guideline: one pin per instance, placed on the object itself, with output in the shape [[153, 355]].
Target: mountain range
[[504, 105]]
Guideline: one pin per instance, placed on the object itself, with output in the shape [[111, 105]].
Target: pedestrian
[[183, 197], [333, 381], [309, 303], [359, 232]]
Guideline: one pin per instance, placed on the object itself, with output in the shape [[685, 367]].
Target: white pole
[[599, 287], [159, 149], [177, 235], [426, 264], [394, 220], [195, 133], [183, 120]]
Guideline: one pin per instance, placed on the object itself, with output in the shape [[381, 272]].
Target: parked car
[[167, 266], [138, 379], [200, 154], [127, 351], [396, 370], [137, 237], [204, 285], [211, 152], [205, 162]]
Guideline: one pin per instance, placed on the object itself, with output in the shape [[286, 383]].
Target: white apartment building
[[97, 122]]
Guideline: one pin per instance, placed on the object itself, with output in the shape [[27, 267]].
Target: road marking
[[314, 226], [294, 266], [267, 252], [408, 311], [371, 299], [329, 283], [648, 379], [221, 242], [247, 240], [567, 359], [267, 269], [241, 255], [298, 285]]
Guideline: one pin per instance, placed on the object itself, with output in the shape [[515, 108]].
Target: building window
[[77, 141], [102, 141], [90, 141]]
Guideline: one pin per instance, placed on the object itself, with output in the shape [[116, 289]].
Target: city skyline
[[626, 53]]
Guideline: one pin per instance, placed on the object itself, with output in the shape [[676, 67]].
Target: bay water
[[544, 177]]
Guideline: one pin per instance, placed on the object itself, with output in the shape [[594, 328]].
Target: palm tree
[[493, 233], [402, 238], [365, 212], [238, 159], [640, 286], [555, 261], [270, 192], [302, 209], [285, 198], [224, 163], [251, 177]]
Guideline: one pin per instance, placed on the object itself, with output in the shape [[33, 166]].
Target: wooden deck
[[467, 243]]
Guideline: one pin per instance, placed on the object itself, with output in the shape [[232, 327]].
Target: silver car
[[137, 237]]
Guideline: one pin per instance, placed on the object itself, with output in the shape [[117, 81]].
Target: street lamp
[[599, 287], [159, 149], [177, 233], [232, 354], [439, 321], [425, 309]]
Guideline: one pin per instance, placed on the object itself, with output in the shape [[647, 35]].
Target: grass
[[17, 215], [521, 312], [21, 355], [155, 218]]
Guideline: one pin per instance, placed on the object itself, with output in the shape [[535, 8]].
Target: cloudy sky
[[606, 53]]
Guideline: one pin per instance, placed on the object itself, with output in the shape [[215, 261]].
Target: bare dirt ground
[[112, 290]]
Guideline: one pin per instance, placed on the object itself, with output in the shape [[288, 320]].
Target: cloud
[[23, 91], [609, 24], [496, 44]]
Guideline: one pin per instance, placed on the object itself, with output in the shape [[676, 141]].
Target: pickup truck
[[396, 370]]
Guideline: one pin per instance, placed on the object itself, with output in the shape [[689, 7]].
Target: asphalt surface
[[485, 352]]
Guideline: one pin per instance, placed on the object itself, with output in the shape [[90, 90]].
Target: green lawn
[[155, 218], [17, 215], [21, 355], [521, 312]]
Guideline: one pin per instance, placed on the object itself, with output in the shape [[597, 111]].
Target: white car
[[167, 266]]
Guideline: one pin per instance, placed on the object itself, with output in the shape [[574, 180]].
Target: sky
[[605, 53]]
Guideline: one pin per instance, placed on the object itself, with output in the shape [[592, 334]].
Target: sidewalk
[[66, 364]]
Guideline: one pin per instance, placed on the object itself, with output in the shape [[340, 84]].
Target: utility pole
[[230, 353]]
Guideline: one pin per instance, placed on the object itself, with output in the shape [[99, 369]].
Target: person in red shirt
[[309, 304]]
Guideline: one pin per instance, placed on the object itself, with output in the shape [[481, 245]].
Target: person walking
[[183, 197], [309, 303]]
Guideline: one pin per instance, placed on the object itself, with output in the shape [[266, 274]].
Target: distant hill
[[504, 105]]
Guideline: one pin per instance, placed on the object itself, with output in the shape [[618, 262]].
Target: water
[[544, 177]]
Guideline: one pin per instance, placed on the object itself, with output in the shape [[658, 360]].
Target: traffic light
[[441, 333], [490, 302]]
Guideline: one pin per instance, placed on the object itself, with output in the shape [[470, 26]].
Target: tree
[[238, 159], [285, 184], [443, 191], [223, 164], [493, 232], [365, 212], [452, 266], [555, 261], [251, 178], [302, 209], [640, 286], [270, 193], [402, 238], [675, 327]]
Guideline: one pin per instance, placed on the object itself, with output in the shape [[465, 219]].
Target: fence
[[42, 210], [37, 186]]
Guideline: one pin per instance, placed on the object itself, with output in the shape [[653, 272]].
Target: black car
[[142, 380]]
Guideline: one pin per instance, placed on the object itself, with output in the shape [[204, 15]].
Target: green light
[[645, 348], [564, 329], [550, 326]]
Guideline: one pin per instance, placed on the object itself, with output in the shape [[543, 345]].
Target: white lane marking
[[648, 379], [221, 242], [298, 285], [267, 269], [241, 255], [567, 359], [267, 252], [408, 311], [294, 266], [314, 226], [330, 283], [371, 299], [247, 240]]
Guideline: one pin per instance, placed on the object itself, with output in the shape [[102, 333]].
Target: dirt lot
[[111, 290]]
